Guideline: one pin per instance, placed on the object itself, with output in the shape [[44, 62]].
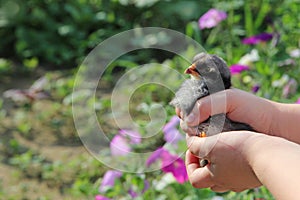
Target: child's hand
[[239, 106], [228, 167]]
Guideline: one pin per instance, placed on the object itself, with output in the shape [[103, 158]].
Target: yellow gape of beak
[[191, 70]]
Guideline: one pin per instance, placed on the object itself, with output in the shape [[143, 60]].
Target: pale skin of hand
[[257, 158], [242, 160], [227, 169], [263, 115]]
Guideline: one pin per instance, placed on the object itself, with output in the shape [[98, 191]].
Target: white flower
[[166, 180], [295, 53], [249, 58], [282, 81]]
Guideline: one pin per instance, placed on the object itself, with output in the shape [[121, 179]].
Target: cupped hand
[[228, 167]]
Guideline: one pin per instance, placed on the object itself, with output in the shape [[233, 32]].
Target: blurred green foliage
[[61, 33]]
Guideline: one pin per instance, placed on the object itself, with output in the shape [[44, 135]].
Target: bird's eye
[[207, 70]]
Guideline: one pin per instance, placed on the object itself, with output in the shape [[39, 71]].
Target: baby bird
[[209, 74]]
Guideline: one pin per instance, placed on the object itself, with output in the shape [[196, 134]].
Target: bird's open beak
[[188, 71], [191, 70]]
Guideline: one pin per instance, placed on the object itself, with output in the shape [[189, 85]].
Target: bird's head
[[209, 68], [193, 72]]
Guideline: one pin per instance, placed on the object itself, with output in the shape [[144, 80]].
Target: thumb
[[201, 146], [207, 106]]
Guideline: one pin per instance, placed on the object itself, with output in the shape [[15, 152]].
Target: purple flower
[[132, 193], [255, 88], [100, 197], [238, 68], [135, 194], [211, 18], [172, 135], [262, 37], [109, 179], [170, 163], [155, 156], [298, 101]]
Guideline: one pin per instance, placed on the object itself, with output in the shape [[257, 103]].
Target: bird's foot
[[201, 134]]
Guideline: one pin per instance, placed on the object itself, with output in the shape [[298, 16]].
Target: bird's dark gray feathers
[[214, 71], [215, 76], [189, 92]]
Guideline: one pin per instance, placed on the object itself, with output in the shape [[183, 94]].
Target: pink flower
[[108, 180], [238, 68], [172, 135], [170, 163], [177, 167], [100, 197], [120, 144], [290, 88], [133, 136], [211, 18], [262, 37], [298, 101]]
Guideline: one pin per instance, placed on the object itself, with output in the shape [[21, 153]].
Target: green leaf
[[248, 19], [31, 63]]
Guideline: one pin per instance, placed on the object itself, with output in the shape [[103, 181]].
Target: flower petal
[[119, 146], [249, 58], [295, 53], [171, 133], [177, 168], [109, 179], [135, 194], [174, 121], [155, 156], [100, 197], [238, 68], [255, 88], [262, 37], [134, 136], [211, 18]]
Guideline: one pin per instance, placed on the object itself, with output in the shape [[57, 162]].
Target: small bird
[[209, 74]]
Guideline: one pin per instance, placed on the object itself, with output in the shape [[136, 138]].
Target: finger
[[238, 189], [201, 147], [191, 161], [206, 107], [219, 189], [192, 131], [198, 177], [178, 112]]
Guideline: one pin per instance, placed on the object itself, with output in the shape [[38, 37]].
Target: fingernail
[[184, 126], [190, 118], [181, 115]]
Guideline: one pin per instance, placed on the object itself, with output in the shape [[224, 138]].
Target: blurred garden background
[[43, 43]]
